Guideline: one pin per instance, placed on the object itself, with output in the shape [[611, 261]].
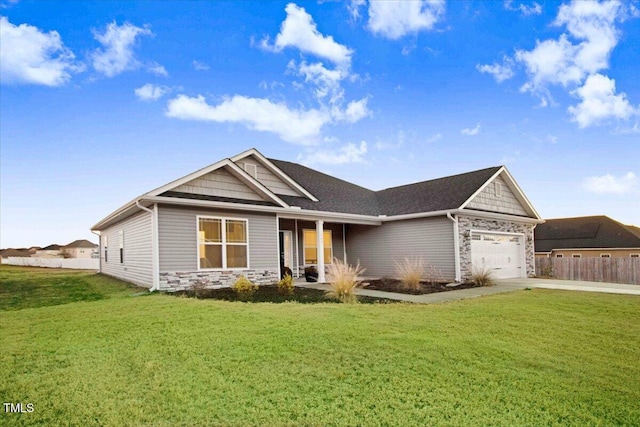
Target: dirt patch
[[393, 285]]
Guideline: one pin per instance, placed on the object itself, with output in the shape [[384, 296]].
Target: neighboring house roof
[[585, 233], [322, 194], [81, 244], [53, 247], [14, 252]]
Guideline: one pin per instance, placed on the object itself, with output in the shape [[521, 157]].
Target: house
[[51, 251], [22, 253], [587, 236], [250, 215], [80, 249]]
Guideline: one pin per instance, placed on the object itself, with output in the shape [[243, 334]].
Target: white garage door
[[502, 254]]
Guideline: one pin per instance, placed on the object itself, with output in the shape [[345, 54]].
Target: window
[[576, 255], [311, 249], [106, 251], [559, 256], [634, 255], [121, 236], [251, 169], [222, 243], [605, 255]]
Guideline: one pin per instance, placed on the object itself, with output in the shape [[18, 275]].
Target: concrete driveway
[[574, 285]]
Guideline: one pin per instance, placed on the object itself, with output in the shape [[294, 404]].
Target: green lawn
[[523, 358]]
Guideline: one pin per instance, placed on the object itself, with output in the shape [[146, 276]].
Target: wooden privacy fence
[[612, 270]]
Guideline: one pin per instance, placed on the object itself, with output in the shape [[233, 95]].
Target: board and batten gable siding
[[178, 237], [487, 200], [219, 183], [138, 259], [378, 247], [268, 178]]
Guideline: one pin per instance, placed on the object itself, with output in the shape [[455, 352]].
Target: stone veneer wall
[[465, 224], [183, 280]]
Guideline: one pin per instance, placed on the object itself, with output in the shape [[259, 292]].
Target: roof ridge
[[440, 178]]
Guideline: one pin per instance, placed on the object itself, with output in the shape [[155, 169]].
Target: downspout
[[155, 255], [456, 246], [99, 251]]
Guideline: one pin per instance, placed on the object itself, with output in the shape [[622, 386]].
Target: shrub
[[410, 271], [547, 271], [344, 281], [483, 277], [244, 288], [286, 285]]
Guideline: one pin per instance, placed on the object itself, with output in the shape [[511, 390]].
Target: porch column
[[320, 251]]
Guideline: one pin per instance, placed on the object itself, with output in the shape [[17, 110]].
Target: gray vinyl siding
[[178, 237], [219, 183], [377, 247], [138, 265], [488, 201], [268, 178]]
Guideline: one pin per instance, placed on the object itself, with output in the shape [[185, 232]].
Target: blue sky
[[103, 101]]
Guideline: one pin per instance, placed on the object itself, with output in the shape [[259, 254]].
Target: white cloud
[[350, 153], [434, 138], [563, 62], [395, 19], [300, 31], [116, 54], [534, 9], [354, 8], [150, 92], [609, 184], [471, 131], [297, 126], [500, 72], [157, 69], [326, 82], [199, 66], [600, 102], [355, 111], [31, 56]]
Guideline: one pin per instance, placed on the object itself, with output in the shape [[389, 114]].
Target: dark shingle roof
[[83, 243], [15, 253], [336, 195], [584, 232], [53, 247]]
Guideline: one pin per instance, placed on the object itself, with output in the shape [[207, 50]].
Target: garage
[[503, 254]]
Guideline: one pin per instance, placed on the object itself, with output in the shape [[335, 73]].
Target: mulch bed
[[393, 285]]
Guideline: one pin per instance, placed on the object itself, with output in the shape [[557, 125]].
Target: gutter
[[456, 246], [155, 254]]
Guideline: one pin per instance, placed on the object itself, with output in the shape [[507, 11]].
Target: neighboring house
[[51, 251], [80, 249], [6, 253], [249, 215], [588, 236]]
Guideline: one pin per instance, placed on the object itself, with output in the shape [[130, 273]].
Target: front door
[[286, 250]]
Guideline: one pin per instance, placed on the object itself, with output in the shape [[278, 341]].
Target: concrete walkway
[[507, 285]]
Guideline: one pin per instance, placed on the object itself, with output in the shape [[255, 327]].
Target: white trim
[[274, 169], [297, 249], [605, 255], [456, 247], [223, 243], [320, 247], [513, 186]]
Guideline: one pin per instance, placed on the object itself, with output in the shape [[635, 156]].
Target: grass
[[29, 287], [536, 357]]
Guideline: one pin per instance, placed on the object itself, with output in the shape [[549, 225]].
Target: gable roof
[[584, 233], [82, 243], [53, 247]]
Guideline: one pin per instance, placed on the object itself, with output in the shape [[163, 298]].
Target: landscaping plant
[[410, 271], [344, 281], [483, 277], [286, 285], [244, 288]]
